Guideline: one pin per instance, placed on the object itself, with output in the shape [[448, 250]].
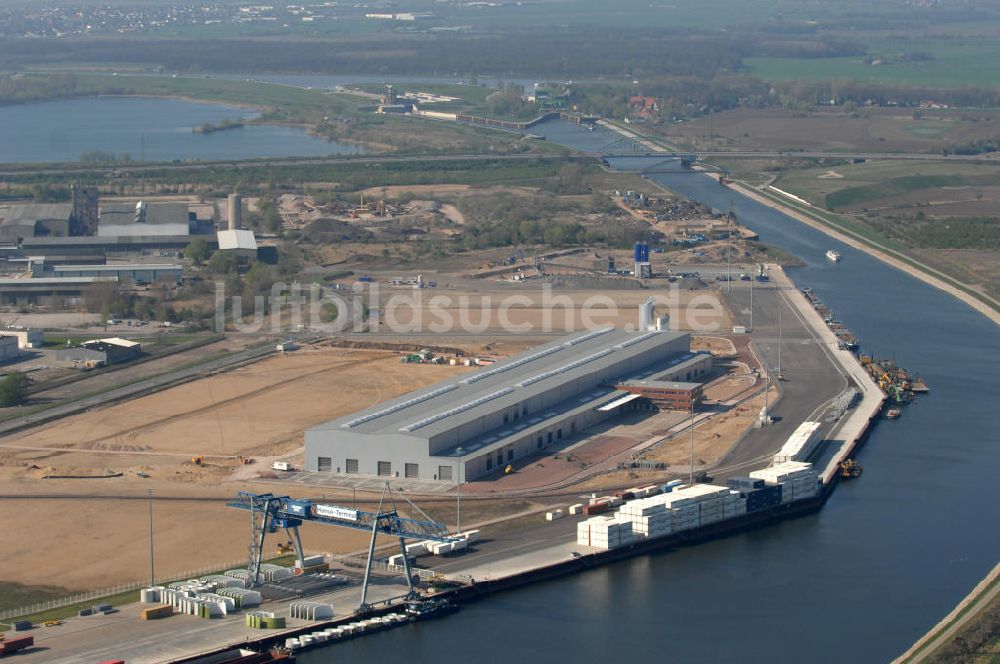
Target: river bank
[[924, 273], [948, 629]]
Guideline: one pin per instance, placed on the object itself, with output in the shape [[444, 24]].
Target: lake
[[148, 129]]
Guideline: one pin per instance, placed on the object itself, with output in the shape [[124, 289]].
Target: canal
[[886, 558]]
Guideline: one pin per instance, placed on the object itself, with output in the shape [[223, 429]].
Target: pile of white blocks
[[243, 597], [311, 610], [798, 480], [604, 532]]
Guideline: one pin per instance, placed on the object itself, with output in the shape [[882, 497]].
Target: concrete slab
[[123, 635]]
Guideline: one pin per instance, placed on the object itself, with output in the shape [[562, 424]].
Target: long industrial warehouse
[[506, 412]]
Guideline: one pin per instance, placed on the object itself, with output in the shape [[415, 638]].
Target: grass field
[[942, 214], [869, 184], [834, 130], [251, 93], [975, 63]]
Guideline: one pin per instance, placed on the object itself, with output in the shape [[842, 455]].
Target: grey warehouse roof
[[32, 212], [125, 214], [448, 404]]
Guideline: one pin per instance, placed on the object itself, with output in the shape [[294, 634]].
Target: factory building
[[100, 353], [21, 221], [140, 273], [27, 338], [8, 348], [85, 213], [665, 394], [144, 220], [241, 243], [476, 424]]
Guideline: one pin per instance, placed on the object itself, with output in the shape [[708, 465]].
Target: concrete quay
[[123, 635], [853, 426]]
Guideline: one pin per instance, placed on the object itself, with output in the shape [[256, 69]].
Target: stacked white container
[[734, 505], [798, 480], [609, 533], [800, 444], [684, 510], [649, 517]]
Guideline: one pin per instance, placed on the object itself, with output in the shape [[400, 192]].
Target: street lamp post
[[458, 500], [152, 574], [691, 477]]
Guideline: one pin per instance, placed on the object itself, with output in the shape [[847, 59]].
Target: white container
[[554, 515]]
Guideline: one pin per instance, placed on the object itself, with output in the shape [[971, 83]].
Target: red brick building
[[665, 395]]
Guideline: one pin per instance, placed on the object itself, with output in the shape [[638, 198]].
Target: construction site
[[531, 376]]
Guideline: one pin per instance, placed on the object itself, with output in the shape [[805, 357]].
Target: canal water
[[149, 129], [888, 556]]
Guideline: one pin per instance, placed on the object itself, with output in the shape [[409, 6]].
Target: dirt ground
[[537, 307], [832, 129], [91, 542], [259, 409]]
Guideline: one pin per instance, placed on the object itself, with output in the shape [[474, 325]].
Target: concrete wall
[[8, 348], [25, 338], [142, 230]]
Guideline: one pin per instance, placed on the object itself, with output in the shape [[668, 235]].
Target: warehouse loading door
[[324, 464], [411, 470]]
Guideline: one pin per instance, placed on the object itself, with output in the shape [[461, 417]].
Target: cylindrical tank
[[646, 315], [235, 212]]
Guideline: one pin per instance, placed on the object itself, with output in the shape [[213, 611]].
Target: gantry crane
[[269, 512]]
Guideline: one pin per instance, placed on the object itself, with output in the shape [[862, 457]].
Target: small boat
[[850, 469], [833, 255], [429, 608], [893, 413]]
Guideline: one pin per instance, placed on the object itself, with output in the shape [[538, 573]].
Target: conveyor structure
[[269, 512]]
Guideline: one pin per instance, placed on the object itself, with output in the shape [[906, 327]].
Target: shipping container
[[16, 644], [745, 483], [156, 612]]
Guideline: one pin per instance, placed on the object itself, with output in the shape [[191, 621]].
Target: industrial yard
[[514, 376]]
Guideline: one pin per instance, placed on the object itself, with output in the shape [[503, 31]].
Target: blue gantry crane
[[269, 512]]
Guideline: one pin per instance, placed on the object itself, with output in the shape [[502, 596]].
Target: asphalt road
[[812, 379], [772, 154], [264, 163]]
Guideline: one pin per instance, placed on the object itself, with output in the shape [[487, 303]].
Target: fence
[[113, 590]]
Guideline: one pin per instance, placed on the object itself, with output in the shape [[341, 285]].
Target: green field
[[251, 93], [973, 64], [874, 180]]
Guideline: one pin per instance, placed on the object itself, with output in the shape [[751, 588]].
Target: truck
[[281, 465]]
